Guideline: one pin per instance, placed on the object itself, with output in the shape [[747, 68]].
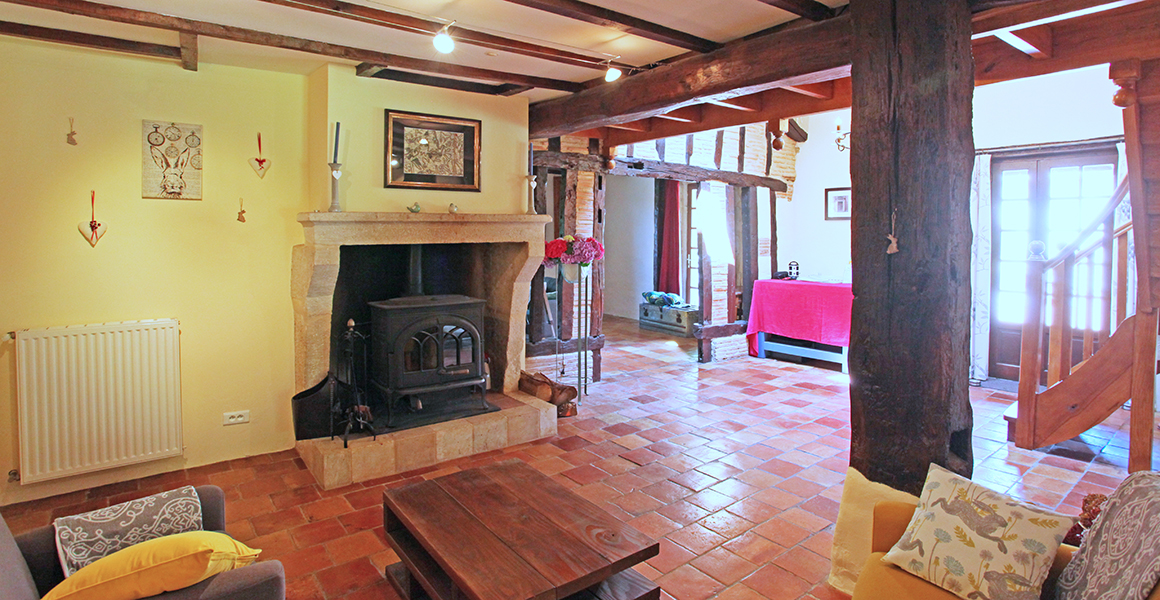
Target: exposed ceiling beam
[[688, 114], [650, 168], [810, 9], [637, 126], [381, 72], [250, 36], [374, 16], [1119, 34], [188, 43], [604, 17], [778, 104], [818, 52], [1036, 42], [86, 40], [1042, 12], [751, 103], [822, 91]]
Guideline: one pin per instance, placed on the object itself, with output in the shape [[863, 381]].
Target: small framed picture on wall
[[837, 204]]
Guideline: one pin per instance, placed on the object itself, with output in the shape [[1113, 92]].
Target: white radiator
[[94, 397]]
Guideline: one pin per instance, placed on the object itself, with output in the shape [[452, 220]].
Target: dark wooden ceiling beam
[[810, 9], [637, 167], [188, 42], [382, 18], [589, 13], [1131, 31], [1041, 12], [778, 104], [87, 40], [260, 38], [818, 52], [381, 72]]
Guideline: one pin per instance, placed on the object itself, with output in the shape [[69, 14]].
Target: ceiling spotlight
[[612, 74], [443, 42]]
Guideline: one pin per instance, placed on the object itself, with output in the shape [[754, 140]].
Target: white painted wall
[[1073, 105], [629, 240]]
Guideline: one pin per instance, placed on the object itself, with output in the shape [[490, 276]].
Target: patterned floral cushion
[[83, 539], [977, 543], [1120, 555]]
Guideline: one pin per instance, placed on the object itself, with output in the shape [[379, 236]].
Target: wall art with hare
[[171, 160]]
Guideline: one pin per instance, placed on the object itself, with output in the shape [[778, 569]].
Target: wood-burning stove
[[428, 358]]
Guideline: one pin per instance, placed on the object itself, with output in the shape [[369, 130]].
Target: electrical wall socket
[[236, 418]]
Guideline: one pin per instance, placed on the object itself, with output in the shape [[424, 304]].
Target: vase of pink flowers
[[574, 254]]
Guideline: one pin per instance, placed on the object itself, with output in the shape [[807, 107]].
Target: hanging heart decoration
[[260, 164], [92, 229]]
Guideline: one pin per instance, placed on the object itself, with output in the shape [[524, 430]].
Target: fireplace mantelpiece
[[507, 248], [515, 250]]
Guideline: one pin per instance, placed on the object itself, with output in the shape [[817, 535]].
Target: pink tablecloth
[[804, 310]]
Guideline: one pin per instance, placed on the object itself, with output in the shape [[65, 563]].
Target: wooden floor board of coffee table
[[508, 532]]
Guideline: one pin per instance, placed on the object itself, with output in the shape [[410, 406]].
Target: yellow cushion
[[159, 565]]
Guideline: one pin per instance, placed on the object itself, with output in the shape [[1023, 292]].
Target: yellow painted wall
[[227, 282], [359, 103]]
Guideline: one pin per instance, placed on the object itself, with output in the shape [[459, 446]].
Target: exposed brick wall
[[726, 348]]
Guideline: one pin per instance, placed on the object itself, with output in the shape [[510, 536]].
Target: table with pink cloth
[[803, 310]]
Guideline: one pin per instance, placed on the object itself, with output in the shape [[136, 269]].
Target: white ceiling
[[717, 20]]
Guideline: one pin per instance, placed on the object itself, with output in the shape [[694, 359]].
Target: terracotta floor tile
[[358, 545], [304, 588], [671, 556], [805, 564], [782, 532], [710, 500], [754, 548], [726, 524], [301, 563], [724, 566], [740, 592], [637, 503], [585, 474], [683, 512], [281, 520], [346, 578], [654, 525], [775, 583], [317, 533], [696, 538], [688, 583], [326, 508]]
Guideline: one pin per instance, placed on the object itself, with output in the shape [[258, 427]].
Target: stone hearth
[[505, 252]]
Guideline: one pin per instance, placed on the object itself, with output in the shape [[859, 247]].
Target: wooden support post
[[1030, 361], [749, 247], [1143, 394], [566, 292], [597, 315], [1059, 342], [913, 80], [705, 270]]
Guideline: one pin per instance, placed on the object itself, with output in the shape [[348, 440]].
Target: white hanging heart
[[260, 165], [91, 235]]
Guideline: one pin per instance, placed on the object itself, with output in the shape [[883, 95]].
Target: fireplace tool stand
[[355, 412]]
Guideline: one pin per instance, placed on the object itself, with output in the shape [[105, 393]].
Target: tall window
[[1048, 198]]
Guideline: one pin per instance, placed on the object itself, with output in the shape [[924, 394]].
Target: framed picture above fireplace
[[431, 151]]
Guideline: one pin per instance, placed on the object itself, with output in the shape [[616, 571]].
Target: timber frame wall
[[732, 164]]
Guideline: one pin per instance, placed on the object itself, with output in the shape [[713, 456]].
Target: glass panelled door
[[1049, 199]]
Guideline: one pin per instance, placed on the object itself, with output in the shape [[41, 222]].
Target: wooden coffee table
[[508, 532]]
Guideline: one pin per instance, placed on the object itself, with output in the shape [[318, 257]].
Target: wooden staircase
[[1114, 369]]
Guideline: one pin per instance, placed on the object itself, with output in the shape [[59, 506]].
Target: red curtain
[[670, 275]]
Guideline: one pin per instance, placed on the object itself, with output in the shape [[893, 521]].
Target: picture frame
[[431, 152], [838, 204]]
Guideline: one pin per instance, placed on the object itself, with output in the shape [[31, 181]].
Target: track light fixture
[[443, 41], [613, 73]]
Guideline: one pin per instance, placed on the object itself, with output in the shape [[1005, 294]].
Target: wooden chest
[[679, 321]]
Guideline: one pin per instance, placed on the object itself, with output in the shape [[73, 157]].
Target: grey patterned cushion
[[1120, 555], [82, 539]]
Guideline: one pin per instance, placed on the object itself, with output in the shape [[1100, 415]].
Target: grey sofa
[[29, 566]]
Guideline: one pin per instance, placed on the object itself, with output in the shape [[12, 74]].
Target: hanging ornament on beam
[[241, 210], [71, 136], [92, 229]]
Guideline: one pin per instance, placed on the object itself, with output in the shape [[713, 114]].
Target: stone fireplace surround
[[505, 252]]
